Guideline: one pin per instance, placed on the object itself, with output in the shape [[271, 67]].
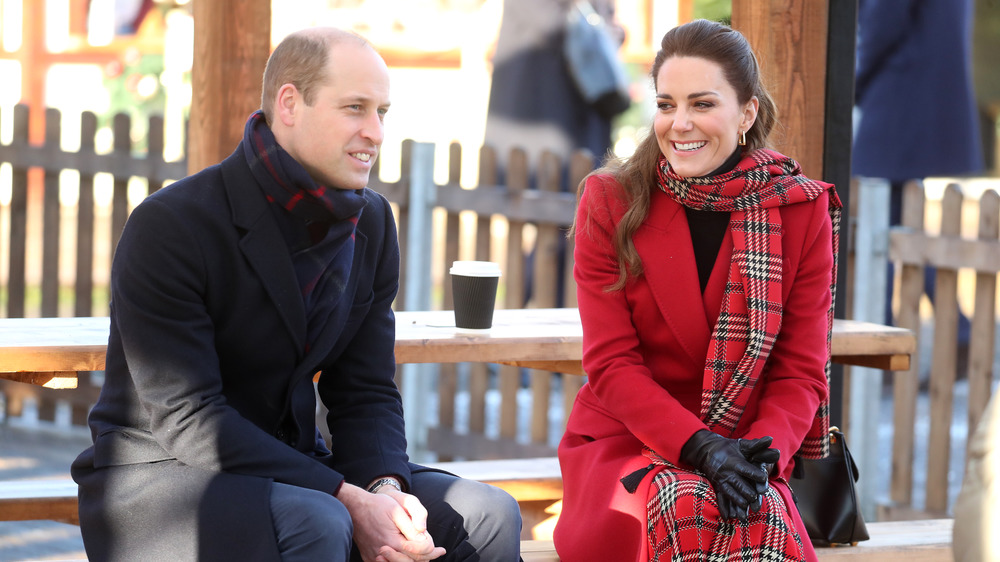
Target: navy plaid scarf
[[750, 318], [330, 214], [287, 183]]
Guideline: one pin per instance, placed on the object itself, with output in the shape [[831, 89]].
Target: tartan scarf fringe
[[750, 319]]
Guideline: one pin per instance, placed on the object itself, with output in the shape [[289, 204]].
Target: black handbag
[[825, 493]]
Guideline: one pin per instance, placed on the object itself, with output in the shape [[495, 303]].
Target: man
[[230, 289]]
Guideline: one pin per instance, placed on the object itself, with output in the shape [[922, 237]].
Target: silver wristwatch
[[384, 482]]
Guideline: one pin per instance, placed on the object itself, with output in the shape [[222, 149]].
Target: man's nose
[[374, 128]]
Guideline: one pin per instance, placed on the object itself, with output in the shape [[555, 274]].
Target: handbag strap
[[836, 436], [838, 447]]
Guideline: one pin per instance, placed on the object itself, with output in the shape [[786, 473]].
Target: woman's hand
[[760, 453], [734, 478]]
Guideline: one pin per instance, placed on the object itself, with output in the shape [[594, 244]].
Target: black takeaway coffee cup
[[474, 285]]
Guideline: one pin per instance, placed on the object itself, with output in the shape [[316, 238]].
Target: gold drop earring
[[743, 139]]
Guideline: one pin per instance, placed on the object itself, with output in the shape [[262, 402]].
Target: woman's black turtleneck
[[709, 227]]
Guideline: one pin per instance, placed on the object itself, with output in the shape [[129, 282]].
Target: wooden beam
[[232, 40], [32, 74], [78, 10], [790, 39], [685, 11], [637, 17]]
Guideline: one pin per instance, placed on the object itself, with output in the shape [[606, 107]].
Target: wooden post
[[232, 40], [33, 74], [790, 39], [871, 242], [685, 13], [982, 336], [906, 385], [943, 354], [416, 385]]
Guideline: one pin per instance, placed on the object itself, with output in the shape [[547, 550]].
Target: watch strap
[[384, 482]]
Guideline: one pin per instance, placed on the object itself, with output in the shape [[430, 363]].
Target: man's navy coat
[[209, 392]]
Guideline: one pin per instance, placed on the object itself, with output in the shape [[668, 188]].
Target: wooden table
[[49, 351]]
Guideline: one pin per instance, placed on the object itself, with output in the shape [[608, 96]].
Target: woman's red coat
[[644, 350]]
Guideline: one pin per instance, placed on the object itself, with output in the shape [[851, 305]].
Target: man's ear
[[286, 104]]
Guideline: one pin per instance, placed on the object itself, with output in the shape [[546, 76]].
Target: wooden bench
[[538, 481], [926, 540], [536, 484], [29, 500], [529, 481], [524, 479]]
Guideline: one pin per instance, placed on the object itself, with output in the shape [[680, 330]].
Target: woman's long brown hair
[[637, 174]]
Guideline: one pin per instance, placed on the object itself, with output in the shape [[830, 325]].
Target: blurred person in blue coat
[[914, 94], [534, 103]]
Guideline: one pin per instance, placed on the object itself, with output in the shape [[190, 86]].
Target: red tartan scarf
[[750, 317]]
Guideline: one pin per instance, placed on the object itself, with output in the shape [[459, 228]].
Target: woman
[[705, 265]]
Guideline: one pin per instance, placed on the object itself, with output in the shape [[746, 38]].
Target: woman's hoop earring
[[743, 139]]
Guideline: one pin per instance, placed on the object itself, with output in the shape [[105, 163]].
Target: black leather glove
[[734, 478], [759, 452]]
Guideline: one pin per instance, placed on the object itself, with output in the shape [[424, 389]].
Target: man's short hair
[[301, 60]]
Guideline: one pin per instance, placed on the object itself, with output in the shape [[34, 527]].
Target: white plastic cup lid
[[475, 268]]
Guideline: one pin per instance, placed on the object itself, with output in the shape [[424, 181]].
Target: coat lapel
[[664, 242], [264, 246]]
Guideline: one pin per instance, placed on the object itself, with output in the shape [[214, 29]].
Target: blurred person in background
[[917, 110], [534, 103]]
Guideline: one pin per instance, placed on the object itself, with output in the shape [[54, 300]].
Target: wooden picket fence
[[50, 160], [548, 260], [913, 246], [478, 409], [534, 208]]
